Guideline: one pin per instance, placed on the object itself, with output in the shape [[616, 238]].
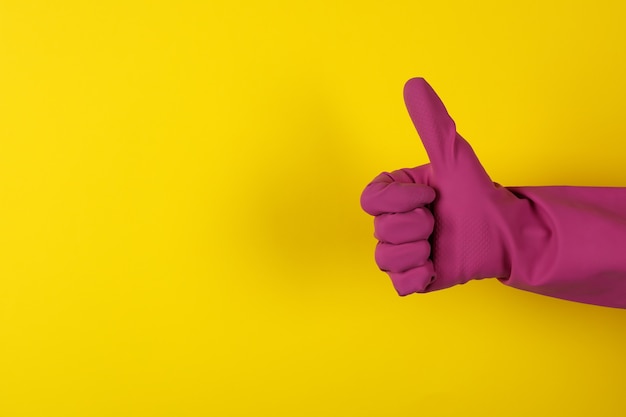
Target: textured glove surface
[[452, 197], [446, 222]]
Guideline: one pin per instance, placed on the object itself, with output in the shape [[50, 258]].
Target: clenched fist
[[433, 222], [445, 223]]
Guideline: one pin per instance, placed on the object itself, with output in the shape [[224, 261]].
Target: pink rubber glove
[[446, 222]]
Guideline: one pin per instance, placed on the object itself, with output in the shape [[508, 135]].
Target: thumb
[[432, 121], [448, 152]]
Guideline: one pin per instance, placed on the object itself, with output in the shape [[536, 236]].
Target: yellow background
[[180, 232]]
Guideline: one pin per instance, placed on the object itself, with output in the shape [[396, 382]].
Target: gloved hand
[[446, 222]]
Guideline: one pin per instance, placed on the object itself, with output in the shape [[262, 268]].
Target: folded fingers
[[387, 195], [400, 258], [414, 280], [397, 228]]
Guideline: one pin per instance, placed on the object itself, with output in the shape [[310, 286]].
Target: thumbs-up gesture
[[446, 222], [437, 224]]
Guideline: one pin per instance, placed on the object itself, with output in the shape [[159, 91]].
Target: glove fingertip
[[414, 280], [395, 197]]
